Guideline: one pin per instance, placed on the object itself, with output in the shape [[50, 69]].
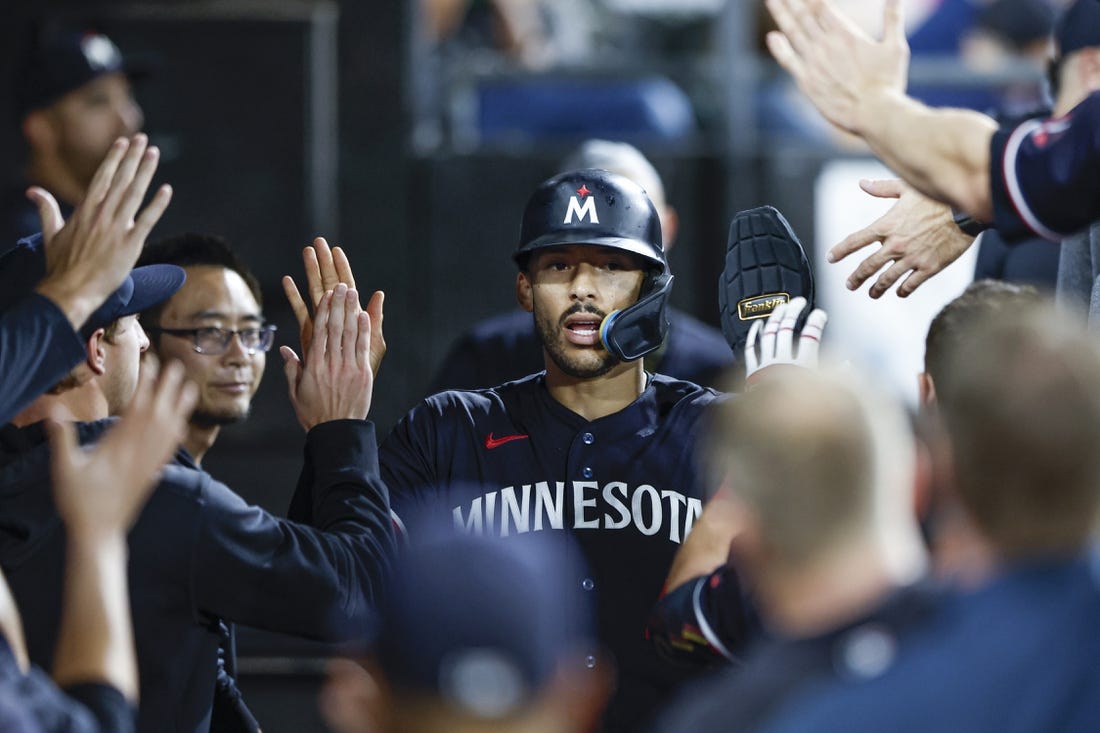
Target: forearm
[[943, 153], [95, 641], [704, 550]]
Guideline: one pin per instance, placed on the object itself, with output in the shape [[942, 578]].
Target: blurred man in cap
[[460, 650], [73, 99]]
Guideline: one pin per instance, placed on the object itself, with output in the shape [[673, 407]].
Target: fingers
[[914, 281], [377, 339], [313, 272], [49, 213], [809, 342], [320, 327], [784, 54], [301, 312], [143, 176], [868, 268], [889, 188], [152, 213], [124, 175], [796, 25], [363, 339], [893, 25], [292, 367], [175, 395], [336, 322], [343, 272], [101, 181], [751, 362], [852, 243], [784, 343], [889, 277], [350, 341], [771, 330]]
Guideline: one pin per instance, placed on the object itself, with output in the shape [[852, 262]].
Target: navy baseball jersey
[[1045, 174], [511, 460]]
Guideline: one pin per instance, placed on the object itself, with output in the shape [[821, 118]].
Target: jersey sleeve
[[320, 580], [408, 463], [704, 621], [37, 348], [1045, 174]]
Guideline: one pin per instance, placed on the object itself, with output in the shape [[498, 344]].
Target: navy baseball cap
[[62, 61], [22, 267], [1078, 27], [482, 622]]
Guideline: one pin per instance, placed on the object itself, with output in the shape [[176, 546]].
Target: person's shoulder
[[671, 389], [470, 401]]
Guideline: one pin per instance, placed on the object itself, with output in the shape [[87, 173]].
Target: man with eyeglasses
[[215, 326]]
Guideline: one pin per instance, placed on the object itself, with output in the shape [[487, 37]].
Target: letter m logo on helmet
[[581, 210]]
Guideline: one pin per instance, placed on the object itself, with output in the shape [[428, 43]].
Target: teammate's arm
[[99, 494], [918, 236], [859, 85]]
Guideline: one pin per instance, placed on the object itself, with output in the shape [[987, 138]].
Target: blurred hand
[[835, 64], [89, 256], [777, 343], [334, 380], [101, 491], [325, 269], [918, 236]]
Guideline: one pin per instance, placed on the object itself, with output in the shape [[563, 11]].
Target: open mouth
[[583, 329]]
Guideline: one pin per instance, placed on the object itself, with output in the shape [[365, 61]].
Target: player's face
[[215, 297], [570, 290], [88, 119], [122, 360]]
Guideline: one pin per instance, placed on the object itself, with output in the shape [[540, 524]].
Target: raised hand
[[334, 380], [918, 236], [101, 491], [777, 342], [835, 64], [90, 255], [326, 268]]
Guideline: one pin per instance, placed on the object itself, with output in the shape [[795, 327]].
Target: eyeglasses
[[215, 341]]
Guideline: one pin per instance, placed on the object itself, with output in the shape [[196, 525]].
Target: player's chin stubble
[[595, 362]]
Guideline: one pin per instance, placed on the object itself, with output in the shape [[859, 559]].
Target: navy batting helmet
[[598, 207]]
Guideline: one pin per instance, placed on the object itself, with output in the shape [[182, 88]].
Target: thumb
[[48, 211], [893, 25], [890, 188], [292, 365]]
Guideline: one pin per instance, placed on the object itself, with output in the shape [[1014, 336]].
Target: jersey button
[[588, 438], [590, 661], [588, 584], [587, 472]]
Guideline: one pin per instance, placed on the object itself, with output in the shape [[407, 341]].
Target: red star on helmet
[[583, 190]]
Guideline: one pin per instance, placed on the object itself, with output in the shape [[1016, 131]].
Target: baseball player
[[593, 445], [1038, 178]]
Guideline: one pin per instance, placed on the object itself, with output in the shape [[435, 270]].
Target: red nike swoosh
[[491, 442]]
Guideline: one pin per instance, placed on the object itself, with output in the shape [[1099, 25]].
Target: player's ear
[[927, 389], [95, 353], [523, 292], [1090, 67]]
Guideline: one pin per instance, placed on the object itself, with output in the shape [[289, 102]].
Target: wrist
[[967, 224], [70, 299]]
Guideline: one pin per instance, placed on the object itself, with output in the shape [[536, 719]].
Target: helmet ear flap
[[633, 332]]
